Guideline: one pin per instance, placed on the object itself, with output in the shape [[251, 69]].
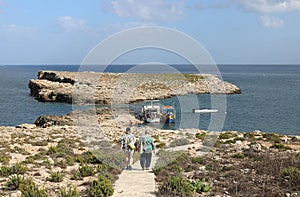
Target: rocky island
[[107, 88]]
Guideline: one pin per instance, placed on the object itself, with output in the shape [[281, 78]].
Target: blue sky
[[232, 31]]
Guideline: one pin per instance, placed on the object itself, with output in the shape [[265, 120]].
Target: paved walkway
[[136, 182]]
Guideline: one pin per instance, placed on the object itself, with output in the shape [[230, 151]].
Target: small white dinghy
[[205, 111]]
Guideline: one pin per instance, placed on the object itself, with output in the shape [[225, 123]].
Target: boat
[[169, 114], [152, 113], [202, 111]]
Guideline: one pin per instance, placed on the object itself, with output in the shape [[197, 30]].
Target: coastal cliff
[[107, 88]]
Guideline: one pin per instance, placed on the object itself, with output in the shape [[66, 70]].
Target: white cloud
[[272, 22], [270, 6], [149, 10], [70, 24], [12, 28]]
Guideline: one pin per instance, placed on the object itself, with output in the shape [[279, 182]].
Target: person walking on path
[[127, 146], [146, 146]]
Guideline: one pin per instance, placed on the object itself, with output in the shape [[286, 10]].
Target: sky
[[232, 31]]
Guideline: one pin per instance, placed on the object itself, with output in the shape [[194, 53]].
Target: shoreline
[[49, 148], [107, 88]]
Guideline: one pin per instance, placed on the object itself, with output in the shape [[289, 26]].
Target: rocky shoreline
[[107, 88], [55, 144]]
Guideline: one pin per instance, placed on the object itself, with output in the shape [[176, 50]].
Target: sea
[[269, 102]]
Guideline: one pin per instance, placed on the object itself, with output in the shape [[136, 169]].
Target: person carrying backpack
[[146, 146], [127, 146]]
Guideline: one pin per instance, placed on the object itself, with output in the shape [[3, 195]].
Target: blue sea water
[[269, 100]]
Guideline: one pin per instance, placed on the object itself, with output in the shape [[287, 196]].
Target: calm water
[[269, 101]]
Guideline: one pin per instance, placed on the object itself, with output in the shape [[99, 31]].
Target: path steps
[[136, 182]]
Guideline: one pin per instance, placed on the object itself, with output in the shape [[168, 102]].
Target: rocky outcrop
[[107, 88]]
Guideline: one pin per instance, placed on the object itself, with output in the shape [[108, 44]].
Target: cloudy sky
[[232, 31]]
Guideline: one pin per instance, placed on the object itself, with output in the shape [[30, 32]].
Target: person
[[127, 146], [146, 146]]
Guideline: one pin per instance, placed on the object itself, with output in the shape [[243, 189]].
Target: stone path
[[136, 182]]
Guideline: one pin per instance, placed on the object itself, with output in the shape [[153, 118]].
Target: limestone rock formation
[[107, 88]]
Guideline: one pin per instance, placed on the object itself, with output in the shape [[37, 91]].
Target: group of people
[[144, 145]]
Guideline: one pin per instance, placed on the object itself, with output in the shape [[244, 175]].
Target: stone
[[26, 126], [255, 147]]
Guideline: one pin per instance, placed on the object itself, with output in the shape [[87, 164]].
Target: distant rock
[[107, 88], [26, 126]]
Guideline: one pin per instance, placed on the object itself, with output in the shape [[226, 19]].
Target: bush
[[19, 169], [52, 150], [31, 190], [281, 146], [227, 135], [292, 174], [56, 177], [179, 142], [200, 136], [4, 158], [5, 171], [72, 192], [16, 169], [86, 171], [198, 160], [14, 182], [238, 156], [272, 137], [76, 176], [101, 187], [201, 186], [176, 186]]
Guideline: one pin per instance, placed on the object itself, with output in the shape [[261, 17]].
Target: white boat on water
[[152, 113], [205, 111]]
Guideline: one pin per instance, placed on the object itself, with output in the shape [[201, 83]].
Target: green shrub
[[88, 157], [176, 186], [40, 143], [5, 171], [179, 142], [4, 158], [227, 135], [52, 150], [31, 190], [16, 169], [238, 156], [76, 176], [72, 192], [291, 171], [86, 171], [272, 137], [292, 174], [281, 146], [198, 160], [101, 187], [14, 182], [201, 186], [56, 177], [19, 169], [200, 136]]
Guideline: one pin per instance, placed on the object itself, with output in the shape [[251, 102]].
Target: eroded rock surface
[[107, 88]]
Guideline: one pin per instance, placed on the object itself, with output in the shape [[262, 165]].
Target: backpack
[[128, 143]]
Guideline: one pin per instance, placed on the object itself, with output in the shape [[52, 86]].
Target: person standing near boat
[[127, 146], [146, 147]]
